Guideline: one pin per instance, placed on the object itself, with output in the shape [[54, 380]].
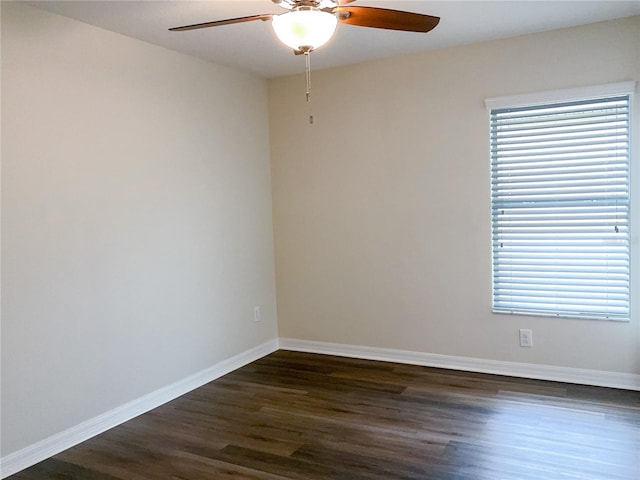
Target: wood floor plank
[[300, 416], [58, 469]]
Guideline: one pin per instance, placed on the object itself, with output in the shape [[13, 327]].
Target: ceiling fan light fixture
[[305, 28]]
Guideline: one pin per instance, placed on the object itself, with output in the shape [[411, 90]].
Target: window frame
[[560, 97]]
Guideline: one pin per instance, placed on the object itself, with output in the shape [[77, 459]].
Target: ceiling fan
[[309, 24]]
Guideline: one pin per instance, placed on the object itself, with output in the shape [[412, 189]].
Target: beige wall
[[136, 220], [381, 208]]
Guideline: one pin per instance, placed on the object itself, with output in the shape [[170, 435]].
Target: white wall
[[136, 220], [382, 207]]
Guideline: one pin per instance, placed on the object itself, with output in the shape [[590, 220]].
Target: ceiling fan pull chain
[[307, 70]]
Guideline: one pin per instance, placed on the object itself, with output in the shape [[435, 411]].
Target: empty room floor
[[305, 416]]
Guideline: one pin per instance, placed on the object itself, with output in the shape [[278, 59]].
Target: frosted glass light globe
[[304, 29]]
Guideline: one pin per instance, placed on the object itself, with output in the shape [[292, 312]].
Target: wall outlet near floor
[[526, 337], [256, 314]]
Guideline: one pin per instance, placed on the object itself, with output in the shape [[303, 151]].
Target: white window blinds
[[560, 208]]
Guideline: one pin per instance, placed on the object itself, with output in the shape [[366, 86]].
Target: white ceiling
[[253, 46]]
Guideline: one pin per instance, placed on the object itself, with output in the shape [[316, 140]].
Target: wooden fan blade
[[384, 18], [263, 17]]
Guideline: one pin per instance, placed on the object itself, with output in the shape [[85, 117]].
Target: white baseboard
[[55, 444], [581, 376]]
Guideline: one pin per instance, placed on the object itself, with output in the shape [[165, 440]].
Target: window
[[560, 204]]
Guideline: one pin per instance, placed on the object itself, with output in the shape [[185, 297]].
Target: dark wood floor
[[304, 416]]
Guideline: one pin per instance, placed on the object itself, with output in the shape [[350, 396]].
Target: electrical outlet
[[526, 337], [256, 314]]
